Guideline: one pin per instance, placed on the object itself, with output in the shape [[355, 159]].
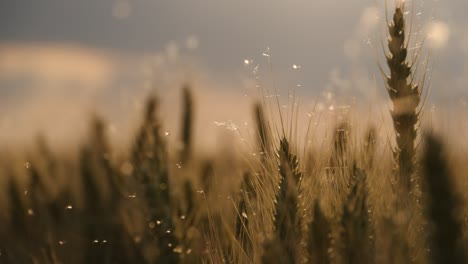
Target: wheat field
[[330, 189]]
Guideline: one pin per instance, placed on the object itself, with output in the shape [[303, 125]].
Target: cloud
[[370, 18], [354, 78], [57, 87], [438, 33], [121, 9], [353, 47], [57, 63], [192, 43]]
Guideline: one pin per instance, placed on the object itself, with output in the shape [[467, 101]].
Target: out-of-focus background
[[62, 60]]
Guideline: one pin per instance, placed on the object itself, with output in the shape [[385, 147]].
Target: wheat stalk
[[405, 96], [187, 124], [442, 205]]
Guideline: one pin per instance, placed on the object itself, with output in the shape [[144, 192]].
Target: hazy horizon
[[71, 58]]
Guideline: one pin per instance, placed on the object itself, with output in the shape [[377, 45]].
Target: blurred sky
[[76, 54], [311, 33]]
